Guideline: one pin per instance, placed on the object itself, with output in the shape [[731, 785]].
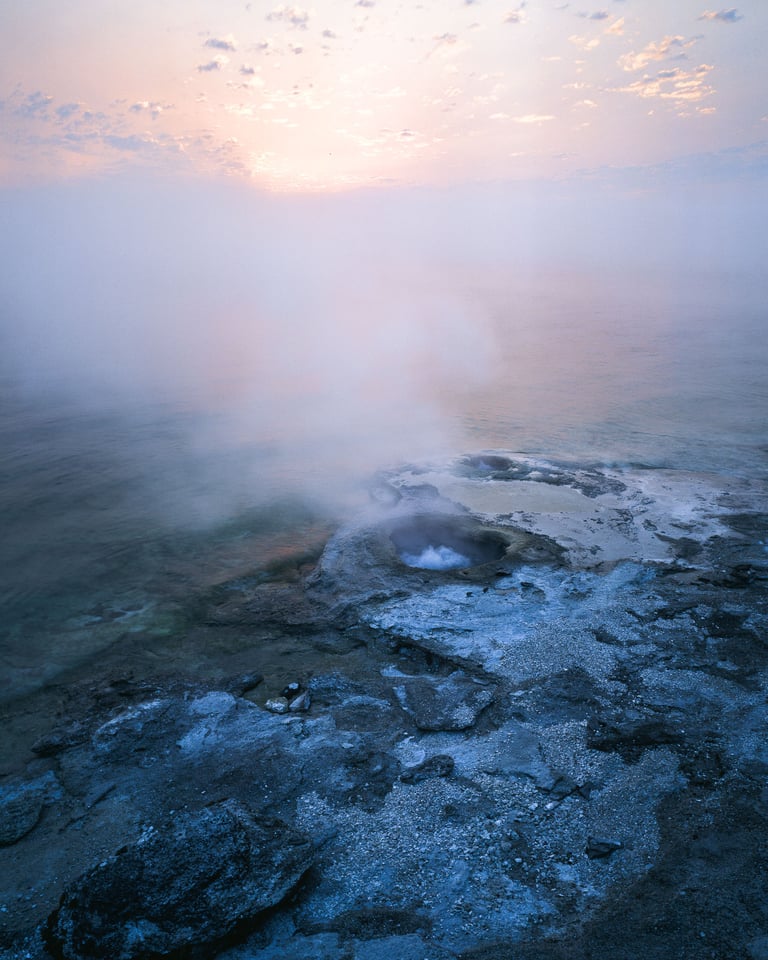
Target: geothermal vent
[[445, 543]]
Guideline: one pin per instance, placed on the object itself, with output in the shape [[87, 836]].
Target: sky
[[340, 94]]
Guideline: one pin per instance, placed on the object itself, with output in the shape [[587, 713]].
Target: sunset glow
[[337, 95]]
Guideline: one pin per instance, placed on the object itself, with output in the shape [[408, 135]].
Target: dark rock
[[180, 887], [21, 804], [377, 922], [564, 786], [441, 765], [570, 694], [450, 703], [629, 736], [60, 739], [600, 849], [242, 684]]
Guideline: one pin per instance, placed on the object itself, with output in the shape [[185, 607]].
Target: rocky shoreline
[[531, 722]]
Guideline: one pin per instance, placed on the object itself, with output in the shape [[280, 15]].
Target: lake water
[[118, 506]]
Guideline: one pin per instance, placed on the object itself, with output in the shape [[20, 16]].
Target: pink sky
[[336, 94]]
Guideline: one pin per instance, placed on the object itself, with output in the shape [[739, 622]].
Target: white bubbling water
[[436, 558]]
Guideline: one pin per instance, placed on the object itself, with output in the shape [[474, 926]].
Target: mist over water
[[328, 336]]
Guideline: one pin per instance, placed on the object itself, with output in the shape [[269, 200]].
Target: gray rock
[[183, 886], [450, 703]]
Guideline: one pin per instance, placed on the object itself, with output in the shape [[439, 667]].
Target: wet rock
[[600, 849], [21, 804], [450, 703], [186, 885], [441, 765]]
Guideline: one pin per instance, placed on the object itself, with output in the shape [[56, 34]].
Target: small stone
[[242, 684], [301, 703], [277, 705], [600, 849], [441, 765]]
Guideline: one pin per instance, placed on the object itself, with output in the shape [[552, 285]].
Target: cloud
[[724, 16], [131, 143], [293, 16], [216, 64], [153, 107], [598, 15], [66, 110], [516, 16], [679, 86], [247, 71], [34, 105], [328, 35], [537, 118], [221, 43], [585, 43], [616, 29], [365, 3], [664, 49]]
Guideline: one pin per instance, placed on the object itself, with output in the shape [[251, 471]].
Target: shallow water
[[118, 514]]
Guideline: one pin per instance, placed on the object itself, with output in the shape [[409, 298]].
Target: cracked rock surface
[[555, 747]]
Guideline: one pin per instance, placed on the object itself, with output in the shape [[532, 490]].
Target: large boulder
[[179, 888]]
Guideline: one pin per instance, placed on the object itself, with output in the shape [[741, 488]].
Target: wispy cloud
[[293, 16], [679, 86], [216, 64], [33, 105], [221, 43], [536, 118], [597, 15], [150, 106], [584, 43], [67, 110], [724, 16], [517, 16], [667, 48]]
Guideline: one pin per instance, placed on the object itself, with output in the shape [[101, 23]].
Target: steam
[[306, 341], [317, 334]]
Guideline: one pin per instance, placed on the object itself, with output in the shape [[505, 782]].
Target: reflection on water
[[115, 520]]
